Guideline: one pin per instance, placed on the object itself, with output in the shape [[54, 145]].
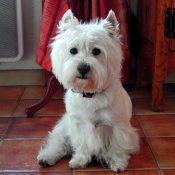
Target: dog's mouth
[[83, 84], [83, 77]]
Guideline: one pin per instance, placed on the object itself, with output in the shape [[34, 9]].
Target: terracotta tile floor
[[21, 137]]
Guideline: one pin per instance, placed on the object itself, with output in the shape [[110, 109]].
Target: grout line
[[156, 114], [147, 142], [7, 127], [39, 115], [160, 172], [35, 171], [160, 137], [19, 100], [11, 117], [141, 126], [23, 139], [153, 154], [134, 111]]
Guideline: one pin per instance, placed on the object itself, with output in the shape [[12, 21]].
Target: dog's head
[[87, 57]]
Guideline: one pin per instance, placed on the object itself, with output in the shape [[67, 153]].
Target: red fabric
[[103, 9], [80, 10], [52, 13], [95, 9], [87, 10], [122, 9]]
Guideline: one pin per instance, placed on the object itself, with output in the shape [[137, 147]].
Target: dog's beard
[[84, 85], [90, 84]]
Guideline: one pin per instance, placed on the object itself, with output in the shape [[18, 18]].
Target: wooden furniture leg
[[157, 46], [52, 87], [144, 61], [160, 64]]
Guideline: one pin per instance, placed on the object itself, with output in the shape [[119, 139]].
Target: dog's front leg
[[80, 159], [117, 160], [56, 146], [81, 141]]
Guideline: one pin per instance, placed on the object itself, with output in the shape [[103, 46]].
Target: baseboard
[[22, 77]]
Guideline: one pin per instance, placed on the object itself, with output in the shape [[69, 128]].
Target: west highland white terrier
[[86, 59]]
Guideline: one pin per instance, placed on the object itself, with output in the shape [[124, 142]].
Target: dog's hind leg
[[123, 142]]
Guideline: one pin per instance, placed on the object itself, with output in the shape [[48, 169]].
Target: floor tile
[[3, 124], [20, 155], [143, 159], [138, 92], [142, 106], [36, 173], [168, 172], [158, 125], [163, 149], [35, 127], [53, 107], [128, 172], [145, 92], [37, 92], [136, 125], [170, 108], [7, 107], [11, 92]]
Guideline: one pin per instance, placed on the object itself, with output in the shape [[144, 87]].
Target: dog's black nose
[[83, 68]]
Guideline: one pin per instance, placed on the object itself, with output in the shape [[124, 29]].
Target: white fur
[[98, 126]]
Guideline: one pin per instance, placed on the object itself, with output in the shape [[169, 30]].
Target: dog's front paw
[[118, 166], [43, 163], [79, 161], [45, 160]]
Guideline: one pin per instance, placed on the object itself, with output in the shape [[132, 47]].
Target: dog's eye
[[73, 51], [96, 51]]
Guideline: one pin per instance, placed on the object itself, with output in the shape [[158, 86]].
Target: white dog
[[86, 59]]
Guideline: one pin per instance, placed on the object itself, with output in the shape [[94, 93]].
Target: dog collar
[[85, 94], [88, 94]]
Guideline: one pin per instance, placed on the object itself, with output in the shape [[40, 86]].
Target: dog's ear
[[112, 18], [111, 23], [68, 17], [68, 20]]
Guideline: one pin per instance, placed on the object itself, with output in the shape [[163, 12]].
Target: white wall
[[32, 12]]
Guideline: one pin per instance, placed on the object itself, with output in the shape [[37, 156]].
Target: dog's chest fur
[[90, 116]]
